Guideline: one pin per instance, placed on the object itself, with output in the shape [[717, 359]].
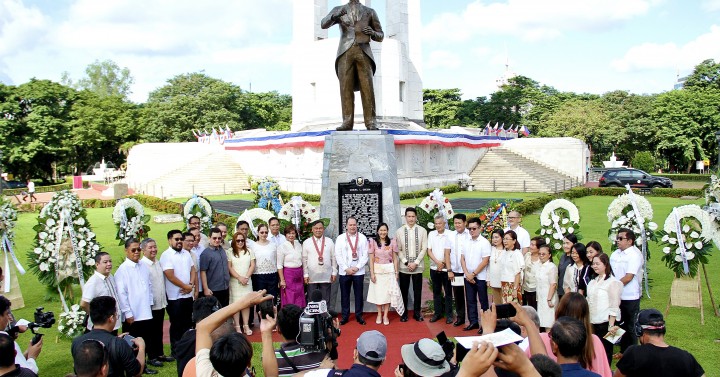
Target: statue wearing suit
[[355, 65]]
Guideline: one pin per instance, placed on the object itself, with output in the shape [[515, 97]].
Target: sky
[[584, 46]]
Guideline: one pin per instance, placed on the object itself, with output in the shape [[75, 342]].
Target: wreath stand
[[686, 292]]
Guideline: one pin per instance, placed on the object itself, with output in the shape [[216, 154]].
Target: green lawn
[[684, 329]]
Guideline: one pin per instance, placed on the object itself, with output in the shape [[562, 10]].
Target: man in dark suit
[[355, 65]]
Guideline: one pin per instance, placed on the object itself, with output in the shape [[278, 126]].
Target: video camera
[[317, 332], [42, 320]]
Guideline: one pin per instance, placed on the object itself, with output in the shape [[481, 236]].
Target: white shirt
[[629, 261], [511, 263], [474, 251], [604, 299], [196, 252], [311, 268], [437, 243], [289, 256], [265, 258], [158, 283], [134, 290], [181, 262], [31, 186], [343, 253], [100, 285], [277, 240], [459, 241], [523, 237]]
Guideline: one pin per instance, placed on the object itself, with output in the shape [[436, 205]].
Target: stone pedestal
[[366, 154]]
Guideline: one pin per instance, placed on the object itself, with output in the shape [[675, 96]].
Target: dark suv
[[635, 177]]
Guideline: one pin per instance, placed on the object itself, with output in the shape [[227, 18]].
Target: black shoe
[[472, 326], [480, 331], [458, 323], [155, 363], [449, 320], [166, 359], [150, 371], [419, 318], [343, 321], [435, 319], [361, 321], [404, 318]]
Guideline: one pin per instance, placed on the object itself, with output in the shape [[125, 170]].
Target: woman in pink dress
[[383, 272]]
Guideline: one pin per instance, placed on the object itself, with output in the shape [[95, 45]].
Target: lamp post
[[717, 138]]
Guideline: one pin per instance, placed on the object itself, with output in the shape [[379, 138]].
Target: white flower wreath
[[53, 259], [8, 217], [71, 322], [558, 217], [432, 205], [307, 211], [622, 215], [250, 215], [692, 243], [200, 207], [129, 217]]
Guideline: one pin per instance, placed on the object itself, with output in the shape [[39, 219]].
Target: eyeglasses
[[216, 238], [620, 238], [240, 240], [265, 232], [513, 217], [189, 240], [135, 249], [473, 228]]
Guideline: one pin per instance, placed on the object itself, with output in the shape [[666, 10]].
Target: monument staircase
[[501, 169], [185, 169]]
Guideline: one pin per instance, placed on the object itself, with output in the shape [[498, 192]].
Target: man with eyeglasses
[[319, 265], [275, 236], [195, 252], [474, 259], [523, 237], [194, 222], [135, 294], [101, 283], [154, 337], [214, 271], [223, 232], [180, 281], [122, 359], [627, 264], [458, 239], [243, 227]]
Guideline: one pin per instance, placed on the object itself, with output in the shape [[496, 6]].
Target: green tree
[[104, 78], [586, 120], [34, 125], [705, 75], [441, 107], [515, 99], [269, 110], [644, 161]]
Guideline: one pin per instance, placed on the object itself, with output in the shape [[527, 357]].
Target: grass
[[684, 329]]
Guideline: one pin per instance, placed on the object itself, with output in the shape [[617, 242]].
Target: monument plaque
[[361, 199]]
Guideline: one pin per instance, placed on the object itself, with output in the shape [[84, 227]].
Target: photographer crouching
[[306, 349]]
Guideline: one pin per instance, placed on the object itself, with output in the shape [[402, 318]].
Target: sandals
[[237, 329], [378, 320], [386, 321], [248, 332]]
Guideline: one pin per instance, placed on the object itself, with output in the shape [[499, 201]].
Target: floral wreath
[[8, 218], [433, 204], [130, 219], [308, 214], [200, 207], [65, 246], [494, 216], [697, 229], [712, 198], [268, 191], [71, 323], [621, 214], [254, 217], [559, 217]]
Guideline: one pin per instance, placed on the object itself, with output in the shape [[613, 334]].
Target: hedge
[[39, 189], [160, 205], [686, 177]]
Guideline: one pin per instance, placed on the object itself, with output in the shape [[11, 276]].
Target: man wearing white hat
[[423, 358]]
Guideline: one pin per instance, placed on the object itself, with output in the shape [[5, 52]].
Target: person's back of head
[[504, 323], [101, 309], [231, 354], [546, 366], [91, 359], [568, 335], [203, 307], [288, 321], [7, 351]]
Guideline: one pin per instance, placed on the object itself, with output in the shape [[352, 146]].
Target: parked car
[[636, 178], [12, 184]]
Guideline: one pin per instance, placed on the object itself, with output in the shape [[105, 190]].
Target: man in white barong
[[412, 246], [351, 253], [319, 265]]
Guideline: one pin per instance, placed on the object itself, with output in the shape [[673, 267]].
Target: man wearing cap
[[424, 358], [654, 357], [367, 358]]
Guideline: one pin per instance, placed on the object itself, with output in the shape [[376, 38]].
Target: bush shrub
[[644, 161], [160, 205], [686, 177]]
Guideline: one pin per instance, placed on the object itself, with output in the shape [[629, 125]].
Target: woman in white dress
[[265, 275], [241, 264], [383, 272], [604, 300], [532, 263], [511, 263], [546, 278], [493, 274]]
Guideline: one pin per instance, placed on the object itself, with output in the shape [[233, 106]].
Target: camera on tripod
[[42, 320], [317, 332]]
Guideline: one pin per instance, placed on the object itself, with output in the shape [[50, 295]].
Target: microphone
[[316, 296]]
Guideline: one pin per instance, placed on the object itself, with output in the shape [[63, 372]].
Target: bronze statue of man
[[355, 65]]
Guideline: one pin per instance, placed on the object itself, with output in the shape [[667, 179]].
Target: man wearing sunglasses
[[627, 264], [214, 270]]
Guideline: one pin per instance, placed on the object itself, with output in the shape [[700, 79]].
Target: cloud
[[648, 56], [20, 26], [443, 59], [711, 5], [533, 20]]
